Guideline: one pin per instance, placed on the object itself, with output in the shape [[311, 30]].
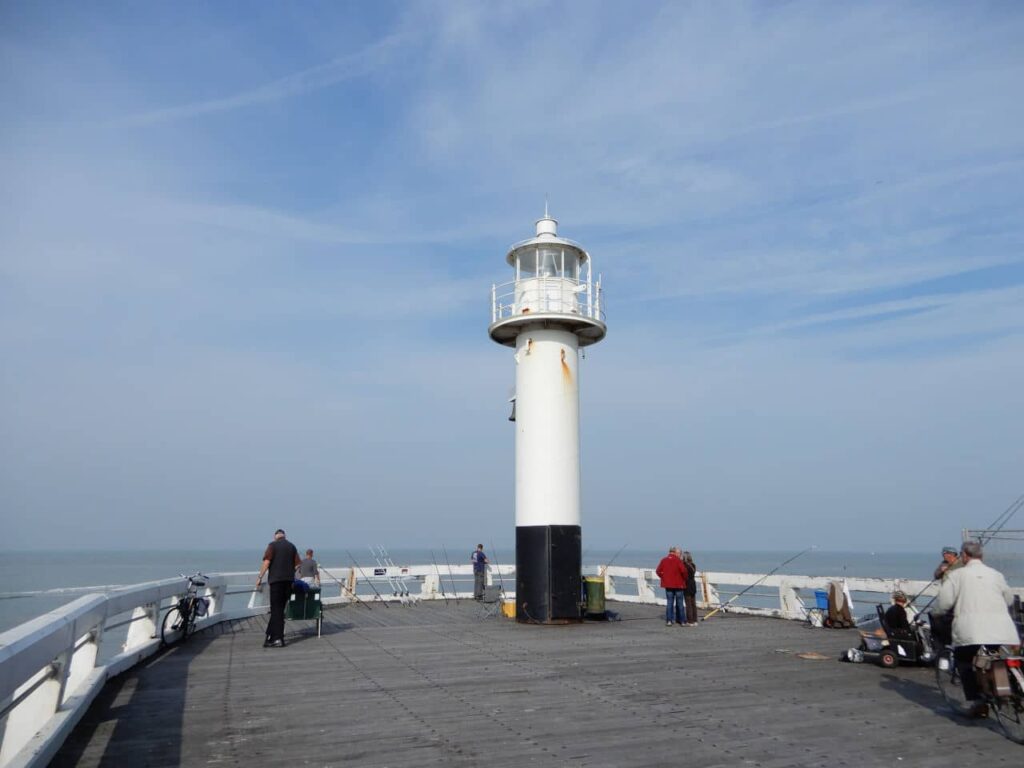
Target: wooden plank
[[430, 684]]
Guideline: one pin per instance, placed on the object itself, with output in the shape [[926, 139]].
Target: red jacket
[[672, 572]]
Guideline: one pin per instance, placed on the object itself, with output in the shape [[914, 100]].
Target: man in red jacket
[[673, 580]]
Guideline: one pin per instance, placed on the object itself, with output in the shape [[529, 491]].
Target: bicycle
[[1000, 681], [180, 619]]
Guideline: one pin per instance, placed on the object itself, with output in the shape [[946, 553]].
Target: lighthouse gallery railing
[[547, 295]]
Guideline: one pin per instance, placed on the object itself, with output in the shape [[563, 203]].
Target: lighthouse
[[548, 312]]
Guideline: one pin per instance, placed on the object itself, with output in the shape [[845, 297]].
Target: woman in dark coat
[[690, 590]]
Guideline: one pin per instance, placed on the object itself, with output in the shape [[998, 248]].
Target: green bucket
[[594, 586]]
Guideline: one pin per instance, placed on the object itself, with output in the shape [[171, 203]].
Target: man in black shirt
[[281, 558]]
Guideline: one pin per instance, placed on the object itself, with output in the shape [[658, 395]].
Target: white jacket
[[979, 597]]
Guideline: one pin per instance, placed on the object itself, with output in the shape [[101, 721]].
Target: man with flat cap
[[942, 621], [280, 559], [950, 562]]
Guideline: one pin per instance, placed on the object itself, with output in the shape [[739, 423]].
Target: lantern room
[[552, 286]]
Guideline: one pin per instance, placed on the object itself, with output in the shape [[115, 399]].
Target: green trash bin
[[306, 606], [594, 586]]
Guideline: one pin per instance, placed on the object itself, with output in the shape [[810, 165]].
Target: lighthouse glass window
[[546, 279], [547, 261]]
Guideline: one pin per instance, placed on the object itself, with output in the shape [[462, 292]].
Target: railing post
[[428, 590], [350, 581], [36, 708], [145, 626], [609, 586], [260, 598], [83, 661], [216, 595], [790, 604], [709, 593]]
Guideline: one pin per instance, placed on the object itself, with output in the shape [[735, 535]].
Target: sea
[[23, 573]]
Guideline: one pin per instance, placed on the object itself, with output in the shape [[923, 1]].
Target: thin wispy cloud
[[341, 69], [807, 218]]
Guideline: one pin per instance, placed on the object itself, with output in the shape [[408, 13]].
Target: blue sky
[[246, 253]]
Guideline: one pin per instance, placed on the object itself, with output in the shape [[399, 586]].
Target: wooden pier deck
[[433, 685]]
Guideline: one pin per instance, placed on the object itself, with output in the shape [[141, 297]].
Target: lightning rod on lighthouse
[[551, 308]]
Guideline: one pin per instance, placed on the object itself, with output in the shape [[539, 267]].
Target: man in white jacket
[[978, 596]]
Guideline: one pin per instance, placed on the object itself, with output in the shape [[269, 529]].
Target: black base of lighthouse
[[548, 581]]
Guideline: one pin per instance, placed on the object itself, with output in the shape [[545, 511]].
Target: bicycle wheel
[[948, 680], [171, 631], [192, 611], [1010, 710]]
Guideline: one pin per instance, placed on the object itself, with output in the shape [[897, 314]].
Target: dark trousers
[[280, 591], [942, 627], [963, 657], [691, 607], [479, 582]]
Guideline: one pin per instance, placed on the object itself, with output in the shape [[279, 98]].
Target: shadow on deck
[[432, 684]]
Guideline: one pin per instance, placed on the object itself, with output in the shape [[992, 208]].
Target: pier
[[435, 684], [409, 672]]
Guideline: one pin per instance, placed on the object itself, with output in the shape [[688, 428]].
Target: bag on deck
[[838, 607]]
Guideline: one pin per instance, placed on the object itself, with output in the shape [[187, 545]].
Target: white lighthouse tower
[[550, 310]]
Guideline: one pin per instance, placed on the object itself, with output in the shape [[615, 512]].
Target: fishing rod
[[997, 525], [403, 583], [929, 603], [606, 566], [440, 581], [773, 570], [342, 584], [926, 588], [1000, 522], [366, 579], [501, 582], [451, 576], [395, 592], [910, 602]]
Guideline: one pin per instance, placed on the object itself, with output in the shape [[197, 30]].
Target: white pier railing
[[778, 596], [51, 668]]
